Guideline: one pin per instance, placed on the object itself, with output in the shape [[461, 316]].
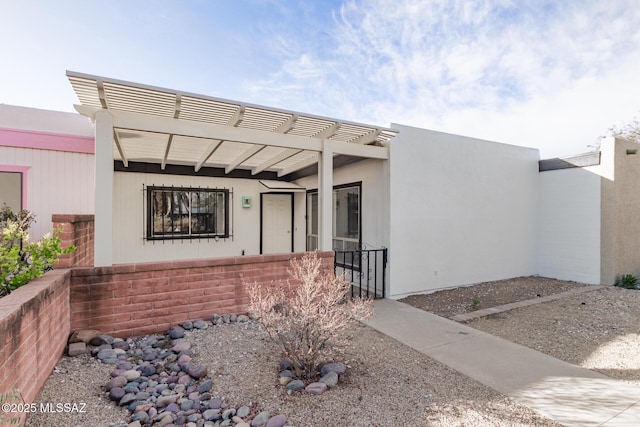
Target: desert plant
[[628, 281], [9, 398], [307, 315], [21, 260], [475, 303]]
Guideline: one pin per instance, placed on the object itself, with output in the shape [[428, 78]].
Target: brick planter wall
[[77, 230], [137, 299], [34, 327]]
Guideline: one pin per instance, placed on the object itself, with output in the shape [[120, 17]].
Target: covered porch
[[194, 139]]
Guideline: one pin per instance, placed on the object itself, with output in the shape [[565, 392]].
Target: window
[[179, 213], [346, 218], [11, 190]]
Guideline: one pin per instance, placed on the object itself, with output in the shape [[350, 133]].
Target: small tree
[[21, 260], [307, 316]]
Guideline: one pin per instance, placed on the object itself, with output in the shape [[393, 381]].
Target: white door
[[277, 223]]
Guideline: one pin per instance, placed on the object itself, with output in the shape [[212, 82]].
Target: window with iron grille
[[182, 213]]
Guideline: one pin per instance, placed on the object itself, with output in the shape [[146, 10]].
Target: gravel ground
[[451, 302], [388, 383]]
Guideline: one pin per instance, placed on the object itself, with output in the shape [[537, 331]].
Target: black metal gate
[[365, 269]]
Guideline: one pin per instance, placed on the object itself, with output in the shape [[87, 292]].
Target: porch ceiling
[[164, 126]]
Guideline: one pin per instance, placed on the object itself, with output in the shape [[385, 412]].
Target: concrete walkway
[[571, 395]]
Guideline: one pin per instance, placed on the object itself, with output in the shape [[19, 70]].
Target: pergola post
[[325, 197], [103, 235]]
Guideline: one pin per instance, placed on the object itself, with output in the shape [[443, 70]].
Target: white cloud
[[548, 75]]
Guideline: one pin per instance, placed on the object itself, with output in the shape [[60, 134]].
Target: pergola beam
[[116, 139], [207, 153], [243, 157], [158, 124], [328, 132], [166, 152], [289, 124], [273, 160], [297, 166]]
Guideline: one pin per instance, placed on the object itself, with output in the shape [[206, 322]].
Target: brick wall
[[77, 230], [137, 299], [34, 327]]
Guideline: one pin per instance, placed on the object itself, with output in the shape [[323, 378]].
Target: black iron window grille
[[183, 213]]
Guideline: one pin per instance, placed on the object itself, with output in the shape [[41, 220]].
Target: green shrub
[[21, 260], [628, 281]]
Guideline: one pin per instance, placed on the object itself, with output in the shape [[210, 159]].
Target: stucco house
[[171, 175]]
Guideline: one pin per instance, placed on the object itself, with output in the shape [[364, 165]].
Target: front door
[[277, 223]]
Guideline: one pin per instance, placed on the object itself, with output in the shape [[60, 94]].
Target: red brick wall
[[137, 299], [34, 327], [77, 230]]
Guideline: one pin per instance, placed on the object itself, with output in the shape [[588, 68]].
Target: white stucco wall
[[569, 224], [129, 213], [462, 211]]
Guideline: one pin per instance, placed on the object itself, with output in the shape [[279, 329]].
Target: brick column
[[77, 230]]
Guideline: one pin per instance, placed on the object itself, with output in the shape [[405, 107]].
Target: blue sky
[[553, 75]]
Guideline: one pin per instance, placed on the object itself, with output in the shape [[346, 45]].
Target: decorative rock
[[233, 318], [243, 318], [119, 381], [172, 407], [147, 370], [286, 373], [101, 339], [243, 411], [135, 423], [77, 348], [316, 388], [116, 393], [166, 400], [176, 332], [331, 379], [338, 368], [228, 414], [211, 415], [295, 385], [286, 365], [121, 345], [131, 375], [126, 399], [188, 325], [215, 403], [184, 359], [243, 424], [186, 405], [196, 371], [84, 335], [107, 353], [205, 386], [141, 416], [284, 380], [200, 324], [166, 420], [181, 346], [277, 421], [261, 419]]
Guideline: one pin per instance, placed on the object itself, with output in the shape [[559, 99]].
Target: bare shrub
[[308, 314]]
